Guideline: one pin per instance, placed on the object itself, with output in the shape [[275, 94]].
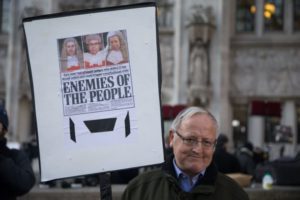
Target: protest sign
[[95, 84]]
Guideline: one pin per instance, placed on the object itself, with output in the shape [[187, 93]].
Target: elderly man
[[95, 57], [190, 173]]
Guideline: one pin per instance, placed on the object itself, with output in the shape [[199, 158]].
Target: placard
[[95, 83]]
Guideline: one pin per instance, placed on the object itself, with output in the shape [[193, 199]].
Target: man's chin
[[195, 168], [195, 159]]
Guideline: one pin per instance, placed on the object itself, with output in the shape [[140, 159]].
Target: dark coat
[[163, 185], [16, 175], [226, 162], [246, 161]]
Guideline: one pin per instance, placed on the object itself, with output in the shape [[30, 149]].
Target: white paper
[[134, 84]]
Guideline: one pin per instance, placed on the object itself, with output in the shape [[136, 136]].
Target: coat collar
[[206, 182]]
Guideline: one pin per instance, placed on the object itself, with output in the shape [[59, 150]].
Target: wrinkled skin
[[193, 160]]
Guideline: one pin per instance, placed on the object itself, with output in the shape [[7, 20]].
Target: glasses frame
[[94, 44], [194, 142]]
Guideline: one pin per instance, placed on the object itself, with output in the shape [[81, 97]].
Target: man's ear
[[171, 138], [1, 130]]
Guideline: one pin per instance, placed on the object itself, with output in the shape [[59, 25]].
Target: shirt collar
[[179, 173]]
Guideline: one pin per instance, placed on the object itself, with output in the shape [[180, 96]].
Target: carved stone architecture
[[225, 69], [198, 73], [167, 59], [266, 72]]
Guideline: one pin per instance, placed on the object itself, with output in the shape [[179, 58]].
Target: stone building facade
[[250, 61]]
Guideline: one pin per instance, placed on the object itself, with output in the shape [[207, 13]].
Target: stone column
[[12, 69], [259, 23], [289, 118], [220, 104], [177, 50], [256, 130]]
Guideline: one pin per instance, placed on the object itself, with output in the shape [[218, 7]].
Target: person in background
[[190, 172], [245, 157], [225, 161], [16, 174], [71, 55], [95, 57], [117, 51]]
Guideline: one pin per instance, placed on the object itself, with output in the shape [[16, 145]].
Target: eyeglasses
[[94, 44], [194, 142]]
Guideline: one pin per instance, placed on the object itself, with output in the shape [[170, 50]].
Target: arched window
[[267, 16], [245, 15], [296, 14], [273, 15]]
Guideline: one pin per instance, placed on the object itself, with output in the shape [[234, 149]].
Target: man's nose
[[198, 147]]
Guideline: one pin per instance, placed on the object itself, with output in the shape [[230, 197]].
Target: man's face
[[192, 159], [94, 46]]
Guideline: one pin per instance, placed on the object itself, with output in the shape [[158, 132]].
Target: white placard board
[[95, 83]]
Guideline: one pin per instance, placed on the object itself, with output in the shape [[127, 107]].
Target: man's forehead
[[201, 122], [198, 117]]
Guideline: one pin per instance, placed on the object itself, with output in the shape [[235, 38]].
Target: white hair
[[188, 113]]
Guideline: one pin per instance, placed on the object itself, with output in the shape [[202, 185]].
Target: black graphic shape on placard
[[101, 125], [72, 130], [127, 125]]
